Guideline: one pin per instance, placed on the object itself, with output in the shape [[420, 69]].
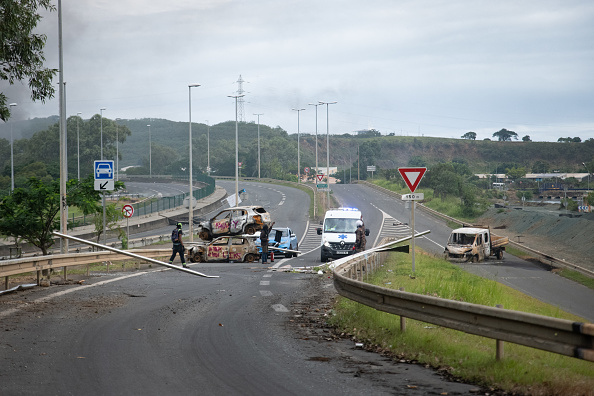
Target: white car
[[234, 221]]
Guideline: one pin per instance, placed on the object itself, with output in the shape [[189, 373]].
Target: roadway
[[167, 332]]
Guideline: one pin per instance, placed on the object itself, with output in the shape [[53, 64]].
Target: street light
[[316, 104], [583, 163], [11, 154], [236, 150], [298, 150], [101, 112], [150, 153], [258, 142], [327, 148], [78, 144], [191, 205], [117, 150]]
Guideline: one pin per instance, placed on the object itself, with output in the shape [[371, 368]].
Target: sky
[[415, 68]]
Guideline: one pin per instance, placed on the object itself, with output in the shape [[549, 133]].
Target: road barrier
[[560, 336]]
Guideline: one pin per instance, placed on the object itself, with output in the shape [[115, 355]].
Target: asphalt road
[[167, 332]]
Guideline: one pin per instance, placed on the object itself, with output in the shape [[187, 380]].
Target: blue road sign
[[103, 170]]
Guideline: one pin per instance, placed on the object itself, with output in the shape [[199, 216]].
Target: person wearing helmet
[[178, 245], [360, 237]]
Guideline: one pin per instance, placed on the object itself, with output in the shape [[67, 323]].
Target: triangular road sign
[[412, 176], [320, 177]]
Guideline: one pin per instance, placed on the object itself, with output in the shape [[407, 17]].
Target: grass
[[469, 357]]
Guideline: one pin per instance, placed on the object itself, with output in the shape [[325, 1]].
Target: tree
[[30, 212], [526, 139], [21, 50], [515, 172], [469, 135], [505, 135]]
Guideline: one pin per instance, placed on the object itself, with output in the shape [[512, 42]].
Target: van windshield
[[340, 225]]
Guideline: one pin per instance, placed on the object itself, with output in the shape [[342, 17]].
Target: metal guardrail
[[543, 257], [559, 336]]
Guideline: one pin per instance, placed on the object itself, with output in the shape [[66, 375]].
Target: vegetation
[[21, 50], [30, 212], [472, 358]]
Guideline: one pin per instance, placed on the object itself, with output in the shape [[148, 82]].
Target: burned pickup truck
[[234, 221], [474, 244], [224, 249]]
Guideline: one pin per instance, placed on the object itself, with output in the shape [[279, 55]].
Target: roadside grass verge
[[471, 358]]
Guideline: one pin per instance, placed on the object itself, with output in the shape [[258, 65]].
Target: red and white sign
[[128, 210], [306, 169], [412, 176], [320, 177]]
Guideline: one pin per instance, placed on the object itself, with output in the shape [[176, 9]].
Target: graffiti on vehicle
[[218, 252], [235, 223], [234, 256], [221, 226]]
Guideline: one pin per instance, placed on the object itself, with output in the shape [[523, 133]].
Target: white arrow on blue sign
[[103, 170]]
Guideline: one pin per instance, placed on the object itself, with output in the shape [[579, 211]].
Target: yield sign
[[320, 177], [412, 176]]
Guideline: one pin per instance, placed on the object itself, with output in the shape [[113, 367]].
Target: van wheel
[[475, 259], [500, 254], [250, 258]]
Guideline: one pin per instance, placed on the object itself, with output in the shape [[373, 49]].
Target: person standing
[[264, 235], [360, 237], [178, 245]]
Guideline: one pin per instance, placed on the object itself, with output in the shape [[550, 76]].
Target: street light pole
[[101, 114], [78, 144], [327, 149], [298, 150], [117, 150], [258, 142], [236, 150], [150, 153], [207, 148], [316, 104], [11, 153], [191, 204]]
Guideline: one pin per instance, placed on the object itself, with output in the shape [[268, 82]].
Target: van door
[[486, 244]]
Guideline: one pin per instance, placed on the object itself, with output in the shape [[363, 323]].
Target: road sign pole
[[127, 232], [104, 231], [412, 241]]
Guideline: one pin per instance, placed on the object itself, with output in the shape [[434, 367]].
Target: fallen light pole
[[150, 260]]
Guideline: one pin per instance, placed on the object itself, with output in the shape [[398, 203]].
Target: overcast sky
[[431, 68]]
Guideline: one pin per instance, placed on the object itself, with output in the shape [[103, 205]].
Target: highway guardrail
[[561, 336]]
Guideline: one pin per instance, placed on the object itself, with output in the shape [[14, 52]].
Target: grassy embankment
[[469, 357]]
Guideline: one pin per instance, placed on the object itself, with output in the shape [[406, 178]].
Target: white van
[[338, 233]]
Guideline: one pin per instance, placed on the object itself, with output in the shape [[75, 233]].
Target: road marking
[[267, 275], [265, 293], [264, 283], [279, 308]]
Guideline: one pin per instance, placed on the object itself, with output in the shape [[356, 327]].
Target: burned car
[[224, 249], [234, 221]]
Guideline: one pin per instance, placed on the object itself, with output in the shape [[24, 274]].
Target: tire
[[475, 259], [500, 254], [249, 258], [205, 235], [323, 259], [296, 248], [250, 230]]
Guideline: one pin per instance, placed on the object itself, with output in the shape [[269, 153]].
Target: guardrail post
[[6, 282], [499, 344], [402, 318], [65, 276]]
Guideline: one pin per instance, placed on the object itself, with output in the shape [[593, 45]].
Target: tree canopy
[[21, 50], [469, 136], [505, 135]]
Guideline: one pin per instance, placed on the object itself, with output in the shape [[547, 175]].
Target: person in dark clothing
[[178, 245], [360, 237], [264, 236]]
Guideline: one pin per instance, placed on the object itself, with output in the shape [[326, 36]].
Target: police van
[[338, 233]]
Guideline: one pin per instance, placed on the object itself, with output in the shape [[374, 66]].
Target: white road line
[[265, 293], [279, 308], [264, 283]]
